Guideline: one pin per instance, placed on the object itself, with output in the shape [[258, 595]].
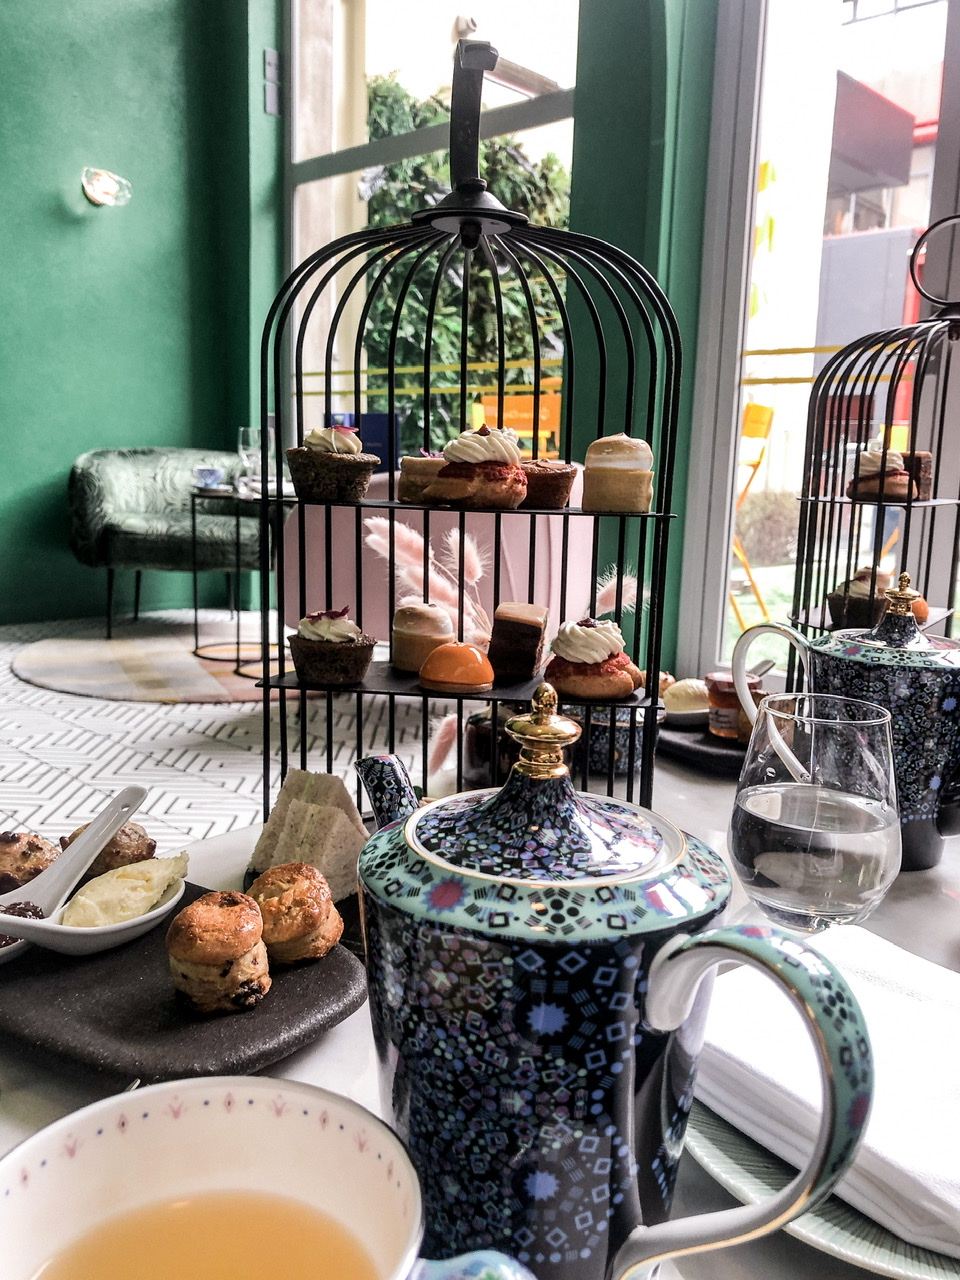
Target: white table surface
[[920, 913]]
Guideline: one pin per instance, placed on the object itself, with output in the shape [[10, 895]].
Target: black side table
[[247, 658]]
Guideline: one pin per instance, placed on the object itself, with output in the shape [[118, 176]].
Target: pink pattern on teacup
[[123, 1124], [278, 1106], [362, 1140], [228, 1102], [24, 1177], [324, 1119], [177, 1107], [71, 1146]]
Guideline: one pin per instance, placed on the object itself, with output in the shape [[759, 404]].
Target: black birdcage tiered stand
[[901, 381], [621, 371]]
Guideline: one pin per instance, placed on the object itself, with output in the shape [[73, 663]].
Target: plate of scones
[[250, 968]]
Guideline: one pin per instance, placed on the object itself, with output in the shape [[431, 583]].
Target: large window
[[842, 146]]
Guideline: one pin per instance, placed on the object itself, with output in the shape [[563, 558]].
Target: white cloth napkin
[[759, 1073]]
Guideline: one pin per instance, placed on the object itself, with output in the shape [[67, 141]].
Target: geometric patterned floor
[[62, 756]]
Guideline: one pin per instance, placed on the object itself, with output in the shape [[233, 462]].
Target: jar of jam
[[724, 704]]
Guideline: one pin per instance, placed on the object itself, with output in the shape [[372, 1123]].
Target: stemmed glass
[[249, 443], [815, 831]]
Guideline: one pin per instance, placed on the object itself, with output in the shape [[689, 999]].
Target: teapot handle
[[485, 1264], [846, 1071], [739, 660]]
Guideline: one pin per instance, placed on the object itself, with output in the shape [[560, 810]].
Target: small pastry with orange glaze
[[457, 668], [300, 921], [589, 662]]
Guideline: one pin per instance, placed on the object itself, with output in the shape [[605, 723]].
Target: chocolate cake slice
[[919, 464], [516, 646]]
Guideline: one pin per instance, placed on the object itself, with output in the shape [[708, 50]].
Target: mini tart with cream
[[330, 466], [481, 470], [457, 668], [589, 662], [618, 474], [329, 648]]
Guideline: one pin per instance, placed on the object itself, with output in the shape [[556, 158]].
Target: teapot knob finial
[[902, 596], [542, 736]]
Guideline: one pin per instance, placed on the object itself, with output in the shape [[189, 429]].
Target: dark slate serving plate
[[702, 750], [117, 1011]]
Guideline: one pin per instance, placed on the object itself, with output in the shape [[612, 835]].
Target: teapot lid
[[898, 629], [537, 828]]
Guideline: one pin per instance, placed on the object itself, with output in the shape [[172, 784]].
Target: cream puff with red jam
[[589, 662]]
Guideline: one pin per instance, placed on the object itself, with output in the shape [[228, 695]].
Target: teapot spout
[[388, 787]]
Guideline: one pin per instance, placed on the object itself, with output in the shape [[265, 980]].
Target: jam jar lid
[[722, 681], [537, 828]]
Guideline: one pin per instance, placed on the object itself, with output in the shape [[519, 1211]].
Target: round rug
[[144, 666]]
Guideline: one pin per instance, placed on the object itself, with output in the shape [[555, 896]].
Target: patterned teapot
[[917, 678], [539, 965]]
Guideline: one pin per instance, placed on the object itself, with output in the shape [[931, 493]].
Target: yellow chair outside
[[755, 425]]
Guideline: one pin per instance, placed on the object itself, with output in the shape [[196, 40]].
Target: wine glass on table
[[248, 447], [815, 831]]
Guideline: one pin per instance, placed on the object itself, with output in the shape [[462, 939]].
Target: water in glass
[[815, 832]]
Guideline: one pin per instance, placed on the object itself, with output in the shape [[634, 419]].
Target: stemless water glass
[[815, 832]]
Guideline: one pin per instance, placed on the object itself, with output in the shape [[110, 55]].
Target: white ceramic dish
[[52, 887], [751, 1173], [186, 1138], [72, 941], [209, 1134]]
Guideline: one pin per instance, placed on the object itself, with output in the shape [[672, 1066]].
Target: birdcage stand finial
[[469, 208]]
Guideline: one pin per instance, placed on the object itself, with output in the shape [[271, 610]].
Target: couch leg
[[136, 594], [111, 573]]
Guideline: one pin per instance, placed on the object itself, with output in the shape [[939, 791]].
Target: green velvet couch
[[130, 509]]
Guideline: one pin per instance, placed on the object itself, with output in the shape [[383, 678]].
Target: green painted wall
[[641, 136], [135, 325]]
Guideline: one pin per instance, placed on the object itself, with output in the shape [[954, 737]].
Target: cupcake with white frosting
[[481, 470], [618, 474], [330, 466], [589, 662], [329, 648]]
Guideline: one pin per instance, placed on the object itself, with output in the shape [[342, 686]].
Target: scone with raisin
[[300, 921], [23, 856], [130, 844], [217, 957]]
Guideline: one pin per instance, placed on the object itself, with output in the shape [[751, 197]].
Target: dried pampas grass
[[441, 582], [609, 584]]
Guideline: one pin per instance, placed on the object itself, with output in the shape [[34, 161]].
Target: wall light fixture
[[101, 187]]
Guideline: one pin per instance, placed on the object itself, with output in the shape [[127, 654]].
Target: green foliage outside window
[[540, 189]]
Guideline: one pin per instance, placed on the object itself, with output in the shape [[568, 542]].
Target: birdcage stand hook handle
[[472, 59]]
